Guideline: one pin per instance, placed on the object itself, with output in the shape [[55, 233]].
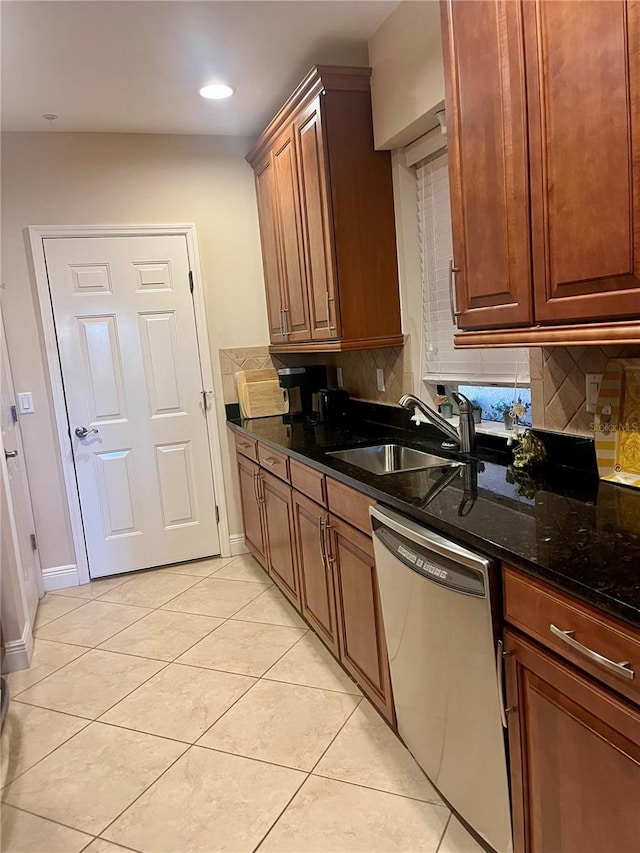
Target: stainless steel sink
[[391, 459]]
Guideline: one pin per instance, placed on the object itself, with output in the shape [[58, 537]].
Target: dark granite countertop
[[560, 524]]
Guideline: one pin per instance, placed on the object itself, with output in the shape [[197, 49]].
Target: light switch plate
[[25, 403], [592, 389], [380, 378]]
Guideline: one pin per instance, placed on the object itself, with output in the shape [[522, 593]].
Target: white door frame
[[37, 235]]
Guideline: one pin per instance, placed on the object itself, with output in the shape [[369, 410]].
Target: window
[[441, 362]]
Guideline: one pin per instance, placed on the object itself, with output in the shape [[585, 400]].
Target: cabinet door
[[278, 516], [265, 191], [249, 473], [294, 285], [316, 223], [583, 69], [363, 649], [488, 161], [575, 757], [317, 592]]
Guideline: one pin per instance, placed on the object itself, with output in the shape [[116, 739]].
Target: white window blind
[[441, 362]]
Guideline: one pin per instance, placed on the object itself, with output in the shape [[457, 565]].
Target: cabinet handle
[[500, 655], [567, 637], [281, 322], [453, 271], [323, 551], [286, 331], [255, 487], [330, 327], [269, 460], [260, 488], [244, 444], [327, 543]]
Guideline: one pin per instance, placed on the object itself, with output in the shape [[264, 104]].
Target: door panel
[[575, 757], [267, 216], [363, 649], [317, 225], [317, 592], [294, 286], [585, 169], [250, 491], [21, 551], [278, 516], [488, 161], [128, 348]]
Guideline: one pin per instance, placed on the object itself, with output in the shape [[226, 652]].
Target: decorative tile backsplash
[[233, 360], [358, 370], [558, 384]]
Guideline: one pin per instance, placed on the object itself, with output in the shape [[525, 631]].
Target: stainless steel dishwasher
[[443, 657]]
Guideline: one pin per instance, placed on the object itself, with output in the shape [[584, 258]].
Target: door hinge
[[14, 414], [190, 282], [217, 515], [34, 541]]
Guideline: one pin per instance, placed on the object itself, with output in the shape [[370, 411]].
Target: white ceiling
[[136, 67]]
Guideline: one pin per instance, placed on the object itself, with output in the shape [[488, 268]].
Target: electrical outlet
[[592, 390], [380, 378], [339, 377]]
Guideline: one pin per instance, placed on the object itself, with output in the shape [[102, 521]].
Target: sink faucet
[[464, 436]]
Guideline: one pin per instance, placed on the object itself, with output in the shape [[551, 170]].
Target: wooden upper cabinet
[[265, 192], [293, 284], [583, 63], [334, 220], [323, 307], [487, 139]]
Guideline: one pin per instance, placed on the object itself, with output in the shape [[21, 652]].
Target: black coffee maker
[[303, 383]]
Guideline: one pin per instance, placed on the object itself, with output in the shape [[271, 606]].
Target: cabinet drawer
[[276, 463], [549, 615], [350, 505], [246, 446], [308, 481]]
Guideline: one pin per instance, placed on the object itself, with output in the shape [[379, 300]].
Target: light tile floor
[[190, 709]]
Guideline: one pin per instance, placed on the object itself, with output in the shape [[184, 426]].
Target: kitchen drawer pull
[[244, 444], [567, 637], [453, 271], [269, 460]]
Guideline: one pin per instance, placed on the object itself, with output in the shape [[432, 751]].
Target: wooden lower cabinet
[[277, 504], [317, 589], [363, 649], [574, 754], [250, 496]]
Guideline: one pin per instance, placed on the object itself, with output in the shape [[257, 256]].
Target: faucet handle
[[463, 403]]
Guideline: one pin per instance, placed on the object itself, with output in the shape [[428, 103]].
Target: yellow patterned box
[[617, 423]]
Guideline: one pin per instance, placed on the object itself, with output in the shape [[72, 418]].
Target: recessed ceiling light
[[216, 91]]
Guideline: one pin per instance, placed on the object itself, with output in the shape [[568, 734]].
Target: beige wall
[[91, 179], [407, 84]]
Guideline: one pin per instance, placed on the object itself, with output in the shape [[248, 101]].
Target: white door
[[126, 332], [22, 530]]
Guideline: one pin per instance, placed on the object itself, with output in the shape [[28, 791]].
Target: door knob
[[83, 432], [10, 454]]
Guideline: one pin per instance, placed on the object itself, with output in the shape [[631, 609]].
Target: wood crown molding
[[320, 78], [602, 334]]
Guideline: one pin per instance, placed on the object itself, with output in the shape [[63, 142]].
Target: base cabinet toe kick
[[566, 675]]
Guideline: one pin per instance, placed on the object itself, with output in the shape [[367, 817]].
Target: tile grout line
[[444, 832], [51, 820], [304, 782], [53, 672]]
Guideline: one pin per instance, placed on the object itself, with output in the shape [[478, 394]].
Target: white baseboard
[[60, 577], [18, 652], [237, 544]]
